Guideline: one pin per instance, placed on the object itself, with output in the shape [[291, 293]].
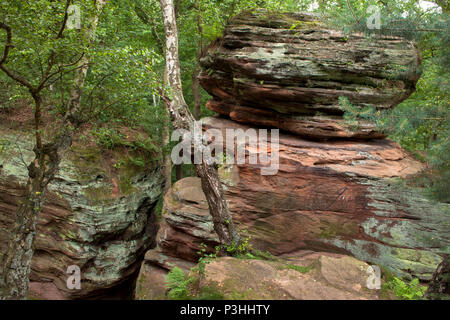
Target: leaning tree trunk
[[183, 119], [196, 89], [16, 264], [17, 259], [195, 79]]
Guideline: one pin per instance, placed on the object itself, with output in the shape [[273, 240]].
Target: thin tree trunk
[[195, 80], [167, 161], [183, 119], [17, 259], [16, 262], [196, 93], [165, 136]]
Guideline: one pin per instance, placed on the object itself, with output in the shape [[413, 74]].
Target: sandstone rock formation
[[288, 71], [344, 197], [95, 216], [340, 195], [312, 277]]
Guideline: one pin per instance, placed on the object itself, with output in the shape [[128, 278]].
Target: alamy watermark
[[374, 280], [74, 280], [228, 146]]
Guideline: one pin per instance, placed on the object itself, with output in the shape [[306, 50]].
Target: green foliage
[[108, 138], [159, 206], [243, 248], [199, 23], [209, 293], [302, 269], [263, 255], [242, 251], [205, 258], [411, 290], [353, 114], [4, 145], [421, 123], [34, 27], [140, 150], [10, 93], [121, 83], [182, 287], [178, 284]]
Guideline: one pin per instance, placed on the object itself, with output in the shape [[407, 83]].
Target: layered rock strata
[[343, 197], [95, 217], [289, 70]]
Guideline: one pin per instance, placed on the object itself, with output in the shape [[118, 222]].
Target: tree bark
[[196, 92], [16, 263], [179, 172], [195, 80], [167, 161], [17, 259], [439, 288], [183, 119], [165, 137]]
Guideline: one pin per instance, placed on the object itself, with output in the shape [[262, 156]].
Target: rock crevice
[[332, 192]]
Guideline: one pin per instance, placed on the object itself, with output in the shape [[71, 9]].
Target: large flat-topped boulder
[[289, 70], [310, 276], [336, 196]]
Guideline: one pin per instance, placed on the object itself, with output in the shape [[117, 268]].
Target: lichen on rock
[[87, 220]]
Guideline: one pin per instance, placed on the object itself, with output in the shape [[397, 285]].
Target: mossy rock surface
[[97, 215], [316, 276]]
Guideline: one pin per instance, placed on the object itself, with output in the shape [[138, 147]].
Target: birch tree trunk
[[195, 80], [439, 287], [16, 264], [183, 119], [167, 161]]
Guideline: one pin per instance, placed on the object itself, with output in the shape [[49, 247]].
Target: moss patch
[[302, 269], [98, 195], [330, 230]]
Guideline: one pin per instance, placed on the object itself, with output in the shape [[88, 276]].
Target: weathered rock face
[[309, 276], [288, 71], [312, 277], [96, 217], [439, 288], [343, 197]]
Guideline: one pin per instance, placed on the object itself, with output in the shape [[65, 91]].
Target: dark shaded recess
[[125, 290]]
